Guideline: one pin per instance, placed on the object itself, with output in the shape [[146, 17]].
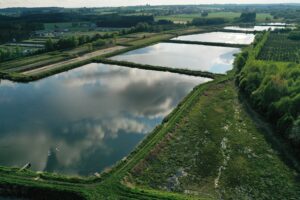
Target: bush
[[294, 35], [248, 17], [273, 89]]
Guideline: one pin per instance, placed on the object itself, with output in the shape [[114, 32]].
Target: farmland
[[279, 47], [230, 16]]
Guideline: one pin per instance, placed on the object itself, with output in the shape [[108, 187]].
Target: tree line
[[273, 88]]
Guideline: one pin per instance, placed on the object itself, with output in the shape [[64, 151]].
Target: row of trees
[[124, 21], [274, 90], [75, 41], [202, 21], [9, 53], [248, 17], [208, 21], [294, 35], [99, 40]]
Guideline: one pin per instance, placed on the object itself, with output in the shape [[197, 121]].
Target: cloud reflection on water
[[86, 119]]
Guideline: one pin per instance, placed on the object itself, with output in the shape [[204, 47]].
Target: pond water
[[276, 24], [219, 37], [253, 28], [184, 56], [86, 119]]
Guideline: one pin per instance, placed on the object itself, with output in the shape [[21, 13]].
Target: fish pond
[[219, 37], [253, 28], [185, 56], [82, 121]]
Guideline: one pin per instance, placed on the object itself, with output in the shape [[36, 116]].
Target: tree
[[248, 17], [204, 14], [206, 21], [49, 45]]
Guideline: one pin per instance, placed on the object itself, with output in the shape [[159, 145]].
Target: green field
[[261, 17]]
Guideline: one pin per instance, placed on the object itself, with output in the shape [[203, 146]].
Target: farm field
[[261, 17], [279, 47]]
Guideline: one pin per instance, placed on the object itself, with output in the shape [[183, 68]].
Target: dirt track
[[74, 60]]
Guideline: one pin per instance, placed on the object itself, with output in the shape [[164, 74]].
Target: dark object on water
[[27, 166]]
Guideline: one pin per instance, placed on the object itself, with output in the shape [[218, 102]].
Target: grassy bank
[[157, 68], [217, 150], [207, 43]]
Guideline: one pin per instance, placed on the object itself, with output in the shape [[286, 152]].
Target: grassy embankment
[[218, 44], [220, 150]]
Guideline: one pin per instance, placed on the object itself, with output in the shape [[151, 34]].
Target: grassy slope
[[217, 150]]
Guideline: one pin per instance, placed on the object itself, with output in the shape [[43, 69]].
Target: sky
[[103, 3]]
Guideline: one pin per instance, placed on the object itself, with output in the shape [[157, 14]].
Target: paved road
[[74, 60]]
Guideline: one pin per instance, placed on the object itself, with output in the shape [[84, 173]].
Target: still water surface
[[86, 119], [184, 56], [219, 37], [254, 28]]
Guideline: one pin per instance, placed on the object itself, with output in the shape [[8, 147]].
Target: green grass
[[217, 133], [38, 60]]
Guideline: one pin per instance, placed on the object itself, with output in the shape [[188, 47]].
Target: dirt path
[[74, 60]]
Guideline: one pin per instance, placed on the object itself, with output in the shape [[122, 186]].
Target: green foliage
[[208, 157], [248, 17], [273, 87], [9, 53], [279, 47], [204, 14], [49, 45], [294, 35], [208, 21], [216, 150]]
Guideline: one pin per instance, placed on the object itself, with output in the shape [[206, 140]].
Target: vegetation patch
[[216, 150], [281, 47], [157, 68], [273, 88]]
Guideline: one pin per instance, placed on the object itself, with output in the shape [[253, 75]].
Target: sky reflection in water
[[185, 56], [86, 119], [221, 37], [254, 28]]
